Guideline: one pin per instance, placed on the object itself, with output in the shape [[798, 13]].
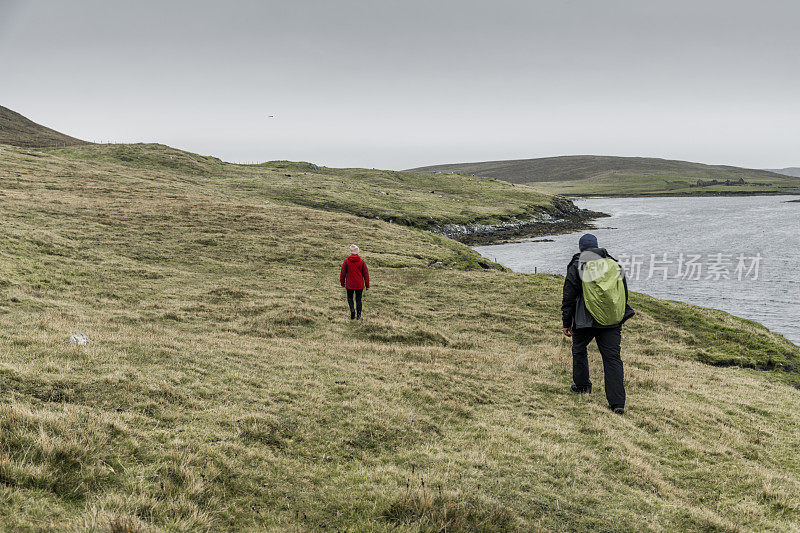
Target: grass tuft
[[435, 510]]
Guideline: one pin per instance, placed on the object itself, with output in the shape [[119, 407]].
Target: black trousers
[[357, 293], [608, 342]]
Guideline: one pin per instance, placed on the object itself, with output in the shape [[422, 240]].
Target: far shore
[[721, 194]]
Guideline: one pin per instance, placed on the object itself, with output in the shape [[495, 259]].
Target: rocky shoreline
[[565, 218]]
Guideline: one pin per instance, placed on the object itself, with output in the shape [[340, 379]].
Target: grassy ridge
[[20, 131], [413, 199], [225, 389], [625, 176], [624, 184], [789, 171]]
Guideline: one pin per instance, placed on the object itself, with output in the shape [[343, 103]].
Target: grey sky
[[397, 84]]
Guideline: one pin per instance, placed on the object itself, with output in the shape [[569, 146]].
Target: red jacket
[[354, 273]]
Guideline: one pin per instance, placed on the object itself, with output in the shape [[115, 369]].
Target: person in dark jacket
[[582, 327], [355, 278]]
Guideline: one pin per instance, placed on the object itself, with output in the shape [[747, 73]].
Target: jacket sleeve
[[343, 274], [365, 271], [570, 297]]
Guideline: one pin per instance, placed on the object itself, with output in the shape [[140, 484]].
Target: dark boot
[[580, 390], [352, 315]]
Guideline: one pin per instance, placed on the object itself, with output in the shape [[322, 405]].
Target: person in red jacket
[[355, 278]]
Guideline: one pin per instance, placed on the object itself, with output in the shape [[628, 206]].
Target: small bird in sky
[[270, 116]]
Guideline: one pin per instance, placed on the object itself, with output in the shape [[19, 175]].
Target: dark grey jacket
[[573, 310]]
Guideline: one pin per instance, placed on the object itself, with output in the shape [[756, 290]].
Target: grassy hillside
[[17, 130], [225, 389], [419, 200], [626, 176], [790, 171]]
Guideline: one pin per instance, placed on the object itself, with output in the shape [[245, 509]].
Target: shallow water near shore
[[738, 254]]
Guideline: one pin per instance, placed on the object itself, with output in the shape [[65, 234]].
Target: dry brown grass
[[225, 389]]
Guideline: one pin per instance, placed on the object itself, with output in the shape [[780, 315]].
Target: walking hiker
[[595, 305], [355, 278]]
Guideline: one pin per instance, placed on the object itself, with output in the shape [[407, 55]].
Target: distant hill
[[790, 171], [17, 130], [610, 175]]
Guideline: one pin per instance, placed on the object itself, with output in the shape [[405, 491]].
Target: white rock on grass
[[79, 339]]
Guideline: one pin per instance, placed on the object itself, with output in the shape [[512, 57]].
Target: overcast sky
[[398, 84]]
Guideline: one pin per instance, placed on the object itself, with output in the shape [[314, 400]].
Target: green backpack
[[604, 291]]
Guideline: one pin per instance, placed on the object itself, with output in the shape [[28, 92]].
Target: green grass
[[621, 184], [419, 200], [626, 176], [225, 388]]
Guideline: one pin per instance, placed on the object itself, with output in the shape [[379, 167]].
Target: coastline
[[709, 194], [514, 231], [566, 218], [527, 249]]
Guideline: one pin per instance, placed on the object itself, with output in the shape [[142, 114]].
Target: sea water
[[738, 254]]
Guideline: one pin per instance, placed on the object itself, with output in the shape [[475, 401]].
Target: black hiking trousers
[[608, 342], [357, 307]]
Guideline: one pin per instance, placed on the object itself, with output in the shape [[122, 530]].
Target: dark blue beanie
[[587, 241]]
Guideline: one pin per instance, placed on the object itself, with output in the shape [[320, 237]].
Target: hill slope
[[17, 130], [421, 200], [225, 389], [790, 171], [598, 175]]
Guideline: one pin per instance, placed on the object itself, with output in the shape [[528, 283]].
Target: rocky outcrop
[[729, 182], [461, 230], [563, 218]]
